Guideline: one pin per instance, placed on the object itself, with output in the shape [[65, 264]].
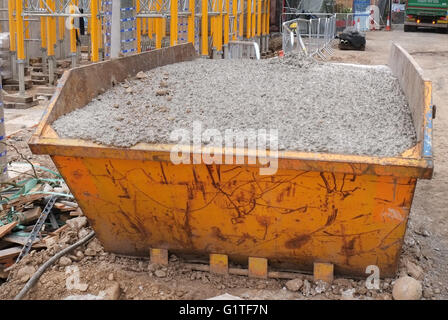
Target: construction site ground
[[90, 270]]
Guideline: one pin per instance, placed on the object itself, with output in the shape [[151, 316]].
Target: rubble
[[407, 288], [294, 285]]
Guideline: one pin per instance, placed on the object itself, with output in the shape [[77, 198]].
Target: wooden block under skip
[[323, 271], [258, 268], [159, 256], [219, 263]]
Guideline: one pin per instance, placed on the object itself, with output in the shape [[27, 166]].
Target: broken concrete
[[316, 107]]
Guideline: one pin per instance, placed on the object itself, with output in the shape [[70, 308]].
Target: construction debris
[[407, 288], [305, 101]]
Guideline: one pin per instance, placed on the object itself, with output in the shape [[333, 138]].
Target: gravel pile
[[319, 107]]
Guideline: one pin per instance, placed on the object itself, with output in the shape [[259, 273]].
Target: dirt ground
[[90, 270]]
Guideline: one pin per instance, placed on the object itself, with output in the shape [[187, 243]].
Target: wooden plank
[[4, 230], [10, 253], [12, 238], [23, 200]]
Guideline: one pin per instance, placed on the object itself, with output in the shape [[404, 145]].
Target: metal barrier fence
[[244, 50], [313, 36], [344, 20]]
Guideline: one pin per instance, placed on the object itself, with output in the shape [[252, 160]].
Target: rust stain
[[216, 232], [297, 242]]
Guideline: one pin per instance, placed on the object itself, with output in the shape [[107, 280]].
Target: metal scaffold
[[116, 28]]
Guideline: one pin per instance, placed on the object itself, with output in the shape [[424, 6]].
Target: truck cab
[[426, 13]]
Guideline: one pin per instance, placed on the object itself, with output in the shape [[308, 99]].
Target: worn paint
[[350, 211]]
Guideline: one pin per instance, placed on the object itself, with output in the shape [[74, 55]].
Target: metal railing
[[313, 34], [244, 50]]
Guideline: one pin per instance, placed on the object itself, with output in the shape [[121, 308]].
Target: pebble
[[141, 75], [25, 273], [90, 252], [414, 270], [110, 277], [111, 293], [160, 273], [77, 223], [407, 288], [294, 285], [65, 261]]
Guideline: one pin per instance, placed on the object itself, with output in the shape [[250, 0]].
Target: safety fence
[[311, 33]]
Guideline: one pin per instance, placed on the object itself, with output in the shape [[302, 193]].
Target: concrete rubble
[[319, 107]]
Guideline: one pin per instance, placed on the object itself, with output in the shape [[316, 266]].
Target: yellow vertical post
[[50, 47], [219, 27], [72, 36], [43, 32], [94, 29], [12, 26], [138, 27], [190, 22], [227, 22], [263, 17], [241, 20], [235, 18], [268, 17], [143, 25], [173, 23], [159, 25], [53, 24], [19, 30], [20, 47], [259, 19], [213, 26], [204, 28], [253, 22], [249, 19], [61, 28]]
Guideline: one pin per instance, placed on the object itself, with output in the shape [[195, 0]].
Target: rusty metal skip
[[349, 211]]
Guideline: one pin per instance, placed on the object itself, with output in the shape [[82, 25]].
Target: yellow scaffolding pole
[[227, 22], [49, 28], [249, 19], [12, 26], [253, 22], [259, 18], [19, 30], [235, 19], [159, 26], [94, 29], [191, 21], [204, 28], [219, 27], [138, 27], [72, 32], [268, 17], [241, 19], [263, 17], [43, 30], [173, 23], [53, 25]]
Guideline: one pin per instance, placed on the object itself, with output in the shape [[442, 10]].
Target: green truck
[[426, 13]]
